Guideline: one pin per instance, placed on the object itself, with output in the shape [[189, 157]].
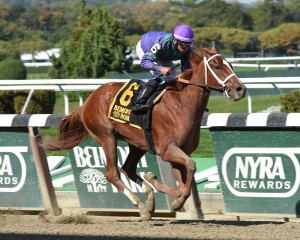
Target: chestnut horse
[[176, 122]]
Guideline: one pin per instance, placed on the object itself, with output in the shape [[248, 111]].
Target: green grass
[[59, 107], [219, 104], [37, 73], [205, 148]]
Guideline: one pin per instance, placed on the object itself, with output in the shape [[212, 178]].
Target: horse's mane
[[175, 86], [196, 58]]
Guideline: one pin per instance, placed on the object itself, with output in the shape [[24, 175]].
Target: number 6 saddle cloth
[[120, 109]]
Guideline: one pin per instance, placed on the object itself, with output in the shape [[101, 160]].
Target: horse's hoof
[[176, 205], [145, 214]]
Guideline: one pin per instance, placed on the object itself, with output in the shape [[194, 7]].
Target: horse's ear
[[205, 51], [214, 49]]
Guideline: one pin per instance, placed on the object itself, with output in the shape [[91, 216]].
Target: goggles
[[184, 44]]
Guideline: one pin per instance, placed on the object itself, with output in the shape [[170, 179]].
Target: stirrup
[[139, 108]]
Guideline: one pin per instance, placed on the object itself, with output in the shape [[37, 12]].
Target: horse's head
[[213, 71]]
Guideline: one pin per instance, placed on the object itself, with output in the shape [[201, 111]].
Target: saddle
[[120, 108]]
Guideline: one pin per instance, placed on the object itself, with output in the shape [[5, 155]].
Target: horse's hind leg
[[161, 187], [129, 168], [109, 145]]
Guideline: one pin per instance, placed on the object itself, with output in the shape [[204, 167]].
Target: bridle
[[223, 89]]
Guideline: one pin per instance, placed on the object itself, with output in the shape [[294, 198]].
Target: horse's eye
[[217, 67]]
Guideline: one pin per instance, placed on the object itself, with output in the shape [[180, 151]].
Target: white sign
[[260, 172], [12, 174]]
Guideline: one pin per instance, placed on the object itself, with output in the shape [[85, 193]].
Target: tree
[[3, 21], [7, 50], [236, 18], [35, 44], [228, 40], [58, 21], [125, 15], [269, 14], [96, 46], [283, 38], [10, 69], [294, 10], [218, 13]]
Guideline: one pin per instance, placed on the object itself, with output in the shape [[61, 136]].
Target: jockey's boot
[[140, 104]]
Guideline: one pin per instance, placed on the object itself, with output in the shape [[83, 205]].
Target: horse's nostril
[[240, 89]]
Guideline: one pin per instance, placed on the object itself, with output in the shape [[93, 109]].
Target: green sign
[[94, 191], [259, 170], [19, 185]]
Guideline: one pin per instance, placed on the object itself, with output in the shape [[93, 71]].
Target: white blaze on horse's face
[[220, 81]]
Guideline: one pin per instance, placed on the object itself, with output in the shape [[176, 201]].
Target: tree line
[[269, 26]]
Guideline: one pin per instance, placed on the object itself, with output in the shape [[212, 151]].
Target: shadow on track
[[241, 223], [13, 236]]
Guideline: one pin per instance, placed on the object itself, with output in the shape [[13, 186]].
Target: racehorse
[[176, 122]]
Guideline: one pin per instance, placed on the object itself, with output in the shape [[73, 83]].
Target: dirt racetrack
[[81, 227]]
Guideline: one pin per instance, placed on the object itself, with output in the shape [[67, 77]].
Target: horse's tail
[[71, 132]]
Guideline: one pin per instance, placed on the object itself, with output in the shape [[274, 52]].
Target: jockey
[[157, 50]]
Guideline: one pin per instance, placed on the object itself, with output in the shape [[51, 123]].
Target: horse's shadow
[[9, 236], [240, 223]]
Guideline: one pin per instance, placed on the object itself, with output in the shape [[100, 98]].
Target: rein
[[202, 85], [222, 88]]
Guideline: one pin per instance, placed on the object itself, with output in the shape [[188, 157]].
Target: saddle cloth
[[120, 108]]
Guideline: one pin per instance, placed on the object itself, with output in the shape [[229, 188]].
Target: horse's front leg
[[184, 169]]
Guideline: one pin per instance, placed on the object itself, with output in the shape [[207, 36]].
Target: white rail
[[265, 66], [236, 62], [257, 65], [280, 84], [259, 59], [63, 85]]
